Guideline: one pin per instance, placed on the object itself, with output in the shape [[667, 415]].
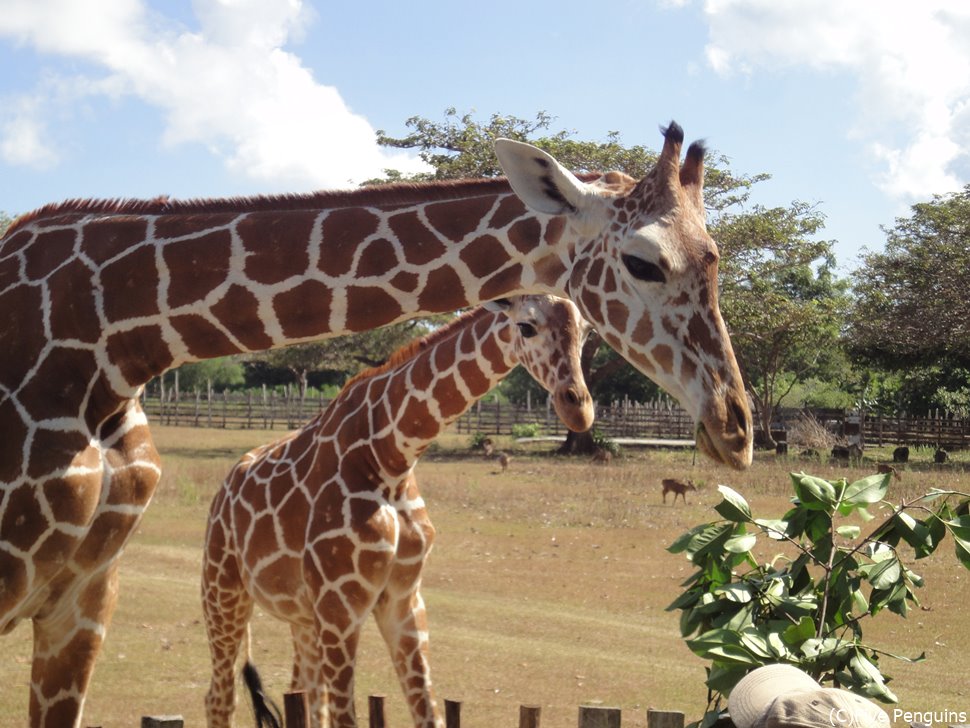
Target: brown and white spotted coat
[[327, 526], [96, 298]]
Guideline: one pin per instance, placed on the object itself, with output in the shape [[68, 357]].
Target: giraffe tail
[[265, 711]]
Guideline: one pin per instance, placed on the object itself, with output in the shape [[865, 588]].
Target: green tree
[[347, 354], [911, 299], [781, 301], [5, 222], [221, 373]]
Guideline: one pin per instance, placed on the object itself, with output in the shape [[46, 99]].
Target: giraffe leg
[[67, 641], [306, 671], [403, 623], [227, 608]]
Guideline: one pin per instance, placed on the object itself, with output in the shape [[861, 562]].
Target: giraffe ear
[[538, 179]]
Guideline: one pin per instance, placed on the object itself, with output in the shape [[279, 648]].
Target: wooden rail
[[274, 409], [296, 715]]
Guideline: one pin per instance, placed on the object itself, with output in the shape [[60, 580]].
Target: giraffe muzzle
[[574, 406]]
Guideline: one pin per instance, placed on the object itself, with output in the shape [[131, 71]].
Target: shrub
[[526, 429], [807, 608]]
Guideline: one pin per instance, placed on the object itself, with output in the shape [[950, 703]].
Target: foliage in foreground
[[806, 606]]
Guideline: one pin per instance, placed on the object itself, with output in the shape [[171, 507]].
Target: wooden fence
[[271, 409], [295, 715]]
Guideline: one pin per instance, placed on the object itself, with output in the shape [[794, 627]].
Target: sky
[[861, 107]]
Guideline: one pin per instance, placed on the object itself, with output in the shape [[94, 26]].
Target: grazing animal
[[97, 297], [678, 488], [326, 526], [940, 456], [602, 456], [503, 460], [884, 469], [901, 454]]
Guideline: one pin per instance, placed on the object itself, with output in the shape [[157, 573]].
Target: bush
[[526, 429], [808, 609]]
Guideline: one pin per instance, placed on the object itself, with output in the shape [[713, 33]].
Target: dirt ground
[[547, 586]]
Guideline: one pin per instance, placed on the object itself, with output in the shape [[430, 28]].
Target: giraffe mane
[[390, 195], [413, 348]]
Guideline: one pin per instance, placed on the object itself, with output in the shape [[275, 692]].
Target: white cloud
[[23, 137], [230, 85], [911, 61]]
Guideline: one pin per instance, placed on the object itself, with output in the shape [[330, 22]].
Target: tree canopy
[[912, 298]]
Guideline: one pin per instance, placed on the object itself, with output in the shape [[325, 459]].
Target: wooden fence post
[[375, 711], [664, 719], [590, 717], [296, 711], [529, 716], [452, 714], [162, 721]]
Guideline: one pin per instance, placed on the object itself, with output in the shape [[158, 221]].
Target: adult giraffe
[[98, 297]]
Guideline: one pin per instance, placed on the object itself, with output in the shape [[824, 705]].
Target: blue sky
[[859, 106]]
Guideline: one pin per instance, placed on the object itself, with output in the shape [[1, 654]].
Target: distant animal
[[503, 460], [840, 453], [488, 446], [940, 456], [678, 487], [884, 468], [602, 456], [901, 454]]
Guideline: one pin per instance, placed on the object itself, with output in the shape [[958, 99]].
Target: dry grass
[[547, 586]]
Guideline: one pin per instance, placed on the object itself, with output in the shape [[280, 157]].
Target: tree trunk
[[578, 443]]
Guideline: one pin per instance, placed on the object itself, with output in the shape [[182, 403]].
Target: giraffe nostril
[[739, 414], [572, 397]]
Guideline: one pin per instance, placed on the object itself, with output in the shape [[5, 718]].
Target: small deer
[[678, 487], [884, 468], [602, 456], [503, 460]]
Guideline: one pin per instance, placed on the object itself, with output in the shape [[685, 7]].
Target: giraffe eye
[[643, 269], [527, 330]]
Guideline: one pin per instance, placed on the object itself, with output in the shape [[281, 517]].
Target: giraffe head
[[643, 270], [548, 341]]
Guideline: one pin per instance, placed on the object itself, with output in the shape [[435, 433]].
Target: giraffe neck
[[422, 389], [159, 284]]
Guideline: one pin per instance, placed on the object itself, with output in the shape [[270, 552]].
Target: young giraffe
[[98, 297], [325, 526]]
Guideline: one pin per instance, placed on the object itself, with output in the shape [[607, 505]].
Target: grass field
[[547, 586]]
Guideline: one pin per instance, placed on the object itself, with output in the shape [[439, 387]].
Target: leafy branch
[[806, 606]]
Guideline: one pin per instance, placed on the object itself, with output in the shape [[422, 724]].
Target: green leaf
[[885, 574], [963, 550], [709, 538], [734, 507], [849, 532], [732, 654], [741, 543], [859, 604], [870, 679], [773, 528], [960, 527], [740, 593], [814, 493], [797, 633], [870, 489], [756, 643]]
